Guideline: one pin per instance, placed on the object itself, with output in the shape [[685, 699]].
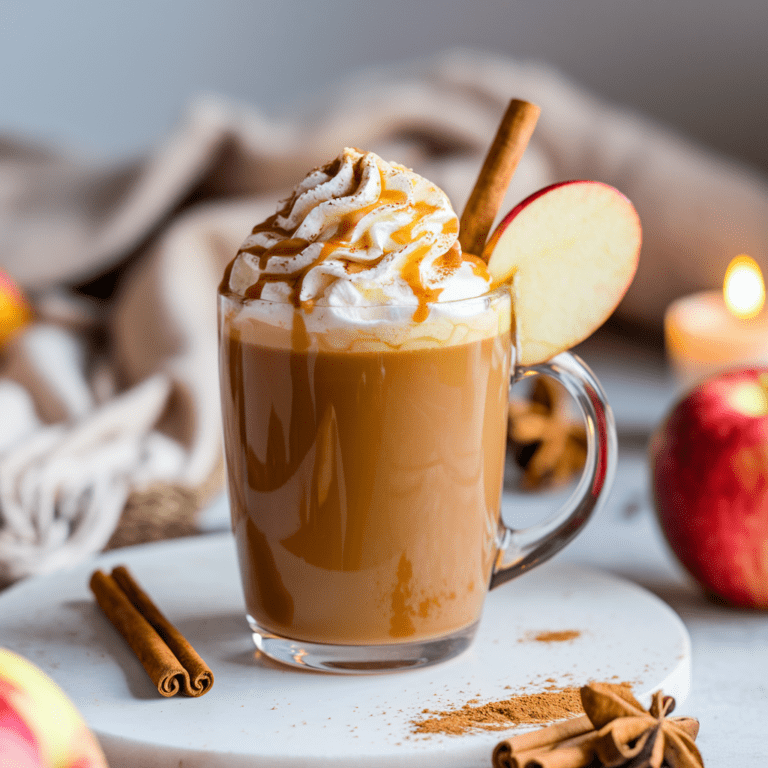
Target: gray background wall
[[110, 77]]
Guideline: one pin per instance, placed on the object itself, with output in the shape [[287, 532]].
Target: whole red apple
[[709, 467]]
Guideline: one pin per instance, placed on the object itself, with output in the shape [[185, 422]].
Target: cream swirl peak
[[359, 232]]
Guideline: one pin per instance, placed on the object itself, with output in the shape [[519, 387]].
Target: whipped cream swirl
[[359, 232]]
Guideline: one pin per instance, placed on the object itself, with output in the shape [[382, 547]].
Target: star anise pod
[[630, 736], [547, 444]]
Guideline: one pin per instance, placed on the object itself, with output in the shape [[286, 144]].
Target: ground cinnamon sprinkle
[[543, 707], [557, 637]]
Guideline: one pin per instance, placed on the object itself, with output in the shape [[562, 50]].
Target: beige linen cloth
[[102, 401]]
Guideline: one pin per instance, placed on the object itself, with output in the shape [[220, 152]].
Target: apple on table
[[569, 252], [39, 725], [15, 311], [709, 472]]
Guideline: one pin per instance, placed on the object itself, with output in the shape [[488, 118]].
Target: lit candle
[[713, 331]]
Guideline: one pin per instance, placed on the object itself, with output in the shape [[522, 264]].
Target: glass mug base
[[360, 659]]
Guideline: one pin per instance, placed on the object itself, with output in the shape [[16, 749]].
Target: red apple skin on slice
[[569, 252]]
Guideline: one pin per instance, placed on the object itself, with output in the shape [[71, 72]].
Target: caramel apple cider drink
[[365, 372]]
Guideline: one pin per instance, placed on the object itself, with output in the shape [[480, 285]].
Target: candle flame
[[743, 287]]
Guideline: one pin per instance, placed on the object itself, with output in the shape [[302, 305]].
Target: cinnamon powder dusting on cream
[[543, 707]]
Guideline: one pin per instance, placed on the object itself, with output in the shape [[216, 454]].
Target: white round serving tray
[[261, 714]]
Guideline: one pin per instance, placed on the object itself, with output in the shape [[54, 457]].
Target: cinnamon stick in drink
[[500, 163], [166, 655]]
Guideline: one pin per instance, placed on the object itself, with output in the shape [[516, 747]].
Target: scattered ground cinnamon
[[557, 637], [542, 707]]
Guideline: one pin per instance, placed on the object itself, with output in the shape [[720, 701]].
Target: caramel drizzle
[[411, 272]]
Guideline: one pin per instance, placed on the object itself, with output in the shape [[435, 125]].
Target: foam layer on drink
[[364, 255], [365, 329]]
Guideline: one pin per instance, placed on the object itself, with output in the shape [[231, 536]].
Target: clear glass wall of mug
[[365, 457]]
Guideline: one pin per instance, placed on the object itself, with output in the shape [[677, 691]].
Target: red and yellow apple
[[570, 252], [709, 471], [39, 725], [15, 311]]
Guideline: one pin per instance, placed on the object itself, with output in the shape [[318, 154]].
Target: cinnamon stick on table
[[167, 656], [574, 739], [500, 163]]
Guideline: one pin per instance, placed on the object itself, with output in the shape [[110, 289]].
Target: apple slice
[[570, 252]]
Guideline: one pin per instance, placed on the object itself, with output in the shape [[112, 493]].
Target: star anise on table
[[615, 732], [547, 443], [630, 736]]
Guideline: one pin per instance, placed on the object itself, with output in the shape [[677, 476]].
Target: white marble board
[[261, 714]]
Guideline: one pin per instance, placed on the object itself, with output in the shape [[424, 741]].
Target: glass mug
[[365, 460]]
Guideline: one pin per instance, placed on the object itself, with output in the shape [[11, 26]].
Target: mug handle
[[524, 549]]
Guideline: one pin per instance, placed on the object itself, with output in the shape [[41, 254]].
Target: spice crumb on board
[[559, 636], [543, 707]]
